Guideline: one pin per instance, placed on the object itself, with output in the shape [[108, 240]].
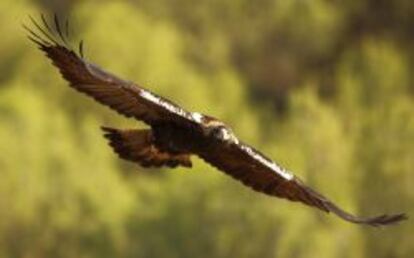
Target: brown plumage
[[138, 146], [175, 133]]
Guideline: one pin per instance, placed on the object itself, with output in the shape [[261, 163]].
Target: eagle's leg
[[138, 146]]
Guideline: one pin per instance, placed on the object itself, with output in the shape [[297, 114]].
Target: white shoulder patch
[[149, 95], [197, 117], [279, 170], [166, 104]]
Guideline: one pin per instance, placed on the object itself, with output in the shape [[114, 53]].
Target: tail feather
[[137, 146]]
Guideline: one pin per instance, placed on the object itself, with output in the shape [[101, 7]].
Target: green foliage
[[63, 193]]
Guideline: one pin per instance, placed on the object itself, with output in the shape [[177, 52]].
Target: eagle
[[175, 134]]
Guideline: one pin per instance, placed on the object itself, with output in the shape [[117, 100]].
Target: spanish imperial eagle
[[175, 134]]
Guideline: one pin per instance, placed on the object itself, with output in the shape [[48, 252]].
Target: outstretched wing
[[253, 169], [123, 96]]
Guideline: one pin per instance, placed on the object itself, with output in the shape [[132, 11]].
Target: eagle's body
[[176, 134]]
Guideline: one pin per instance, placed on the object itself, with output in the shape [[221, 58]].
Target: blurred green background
[[326, 88]]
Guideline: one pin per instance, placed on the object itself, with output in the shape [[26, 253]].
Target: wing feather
[[254, 170], [123, 96], [138, 146]]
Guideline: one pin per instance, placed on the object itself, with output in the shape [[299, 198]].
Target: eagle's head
[[218, 130]]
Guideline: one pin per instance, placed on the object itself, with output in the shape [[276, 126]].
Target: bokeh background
[[326, 88]]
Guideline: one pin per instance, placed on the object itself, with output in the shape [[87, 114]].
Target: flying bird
[[174, 134]]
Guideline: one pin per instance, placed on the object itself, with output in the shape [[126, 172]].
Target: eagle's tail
[[137, 146]]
